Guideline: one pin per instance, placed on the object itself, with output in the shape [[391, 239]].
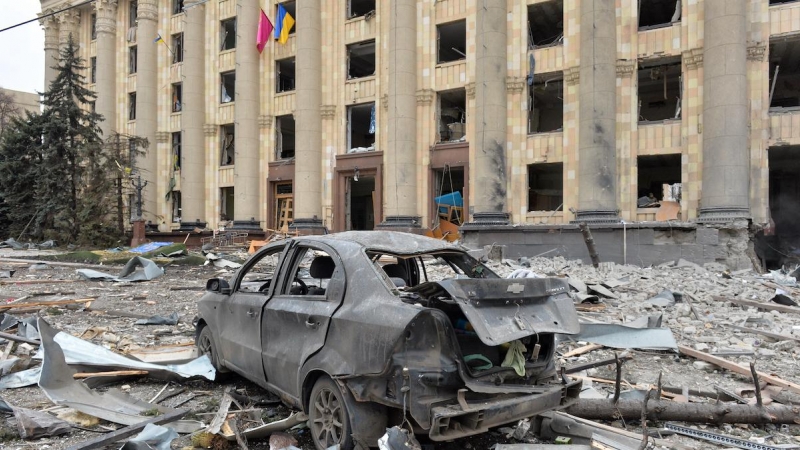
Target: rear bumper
[[453, 421]]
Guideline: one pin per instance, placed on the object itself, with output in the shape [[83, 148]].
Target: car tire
[[329, 420], [206, 345]]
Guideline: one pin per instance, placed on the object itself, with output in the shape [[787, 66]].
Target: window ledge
[[541, 133], [282, 93], [451, 63], [175, 113], [227, 103], [659, 26], [227, 50], [364, 78], [226, 166], [658, 122]]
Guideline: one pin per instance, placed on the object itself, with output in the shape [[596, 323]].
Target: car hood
[[503, 310]]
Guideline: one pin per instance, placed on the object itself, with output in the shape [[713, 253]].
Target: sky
[[21, 48]]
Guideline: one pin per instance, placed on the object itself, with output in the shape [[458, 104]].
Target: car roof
[[394, 242]]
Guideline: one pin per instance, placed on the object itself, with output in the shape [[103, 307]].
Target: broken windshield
[[401, 271]]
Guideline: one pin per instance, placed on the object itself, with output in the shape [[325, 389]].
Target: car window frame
[[255, 259], [293, 261]]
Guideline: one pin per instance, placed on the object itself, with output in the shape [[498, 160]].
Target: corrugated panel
[[175, 25], [285, 50], [548, 59], [227, 61], [360, 89], [660, 41], [226, 176], [451, 75], [226, 113], [175, 122], [784, 18], [131, 86], [358, 29], [659, 138], [447, 10], [545, 146], [284, 103]]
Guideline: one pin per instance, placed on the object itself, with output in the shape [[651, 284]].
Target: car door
[[296, 324], [240, 327]]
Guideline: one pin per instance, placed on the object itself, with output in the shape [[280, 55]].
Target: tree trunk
[[716, 413]]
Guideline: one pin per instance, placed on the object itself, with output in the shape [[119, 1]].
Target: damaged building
[[669, 126]]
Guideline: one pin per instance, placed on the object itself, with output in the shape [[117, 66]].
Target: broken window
[[177, 6], [778, 2], [93, 69], [357, 8], [227, 87], [177, 48], [132, 57], [132, 106], [361, 128], [93, 106], [291, 9], [93, 26], [660, 89], [227, 145], [361, 59], [654, 172], [448, 194], [452, 39], [176, 150], [227, 34], [176, 206], [545, 23], [284, 77], [177, 97], [546, 103], [133, 12], [258, 276], [284, 200], [226, 201], [284, 137], [658, 13], [312, 271], [784, 73], [452, 112], [545, 186]]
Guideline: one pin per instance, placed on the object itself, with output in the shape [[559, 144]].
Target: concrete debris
[[217, 261], [172, 319], [664, 299], [36, 424], [131, 272], [13, 244], [397, 438], [7, 273]]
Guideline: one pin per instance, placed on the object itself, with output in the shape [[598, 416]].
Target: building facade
[[20, 103], [534, 111]]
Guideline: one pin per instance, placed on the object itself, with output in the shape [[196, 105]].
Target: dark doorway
[[784, 205], [654, 172], [360, 201], [448, 194]]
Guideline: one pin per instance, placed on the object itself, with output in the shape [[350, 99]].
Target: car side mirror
[[218, 285]]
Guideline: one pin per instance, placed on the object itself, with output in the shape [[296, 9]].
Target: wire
[[47, 15]]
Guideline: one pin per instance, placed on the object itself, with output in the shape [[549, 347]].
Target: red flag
[[264, 32]]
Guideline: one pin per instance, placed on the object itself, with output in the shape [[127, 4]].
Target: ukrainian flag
[[283, 24]]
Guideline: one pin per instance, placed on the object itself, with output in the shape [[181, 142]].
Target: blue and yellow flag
[[159, 39], [283, 24]]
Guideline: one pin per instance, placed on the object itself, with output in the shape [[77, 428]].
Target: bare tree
[[8, 109]]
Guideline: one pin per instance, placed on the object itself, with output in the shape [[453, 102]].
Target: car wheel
[[206, 346], [328, 417]]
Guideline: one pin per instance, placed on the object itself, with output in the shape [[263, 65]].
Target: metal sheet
[[621, 336], [148, 272]]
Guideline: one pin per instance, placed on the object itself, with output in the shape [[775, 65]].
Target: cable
[[47, 15]]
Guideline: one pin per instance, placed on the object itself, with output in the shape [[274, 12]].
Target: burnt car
[[368, 329]]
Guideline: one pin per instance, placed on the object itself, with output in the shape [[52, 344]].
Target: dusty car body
[[391, 326]]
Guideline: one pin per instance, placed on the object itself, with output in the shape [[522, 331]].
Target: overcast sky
[[21, 48]]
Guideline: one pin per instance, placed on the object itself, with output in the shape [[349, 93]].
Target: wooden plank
[[122, 433], [110, 374], [3, 282], [733, 367], [598, 363], [14, 337], [776, 336], [40, 304], [760, 305], [581, 350]]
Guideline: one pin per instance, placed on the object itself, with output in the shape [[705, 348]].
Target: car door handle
[[311, 324], [251, 313]]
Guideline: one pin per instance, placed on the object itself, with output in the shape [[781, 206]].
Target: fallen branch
[[665, 410], [589, 240], [742, 370]]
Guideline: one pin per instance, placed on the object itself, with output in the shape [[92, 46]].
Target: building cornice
[[147, 10], [693, 58]]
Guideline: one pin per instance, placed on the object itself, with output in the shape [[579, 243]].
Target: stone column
[[50, 25], [192, 118], [67, 26], [726, 175], [248, 207], [489, 167], [400, 159], [106, 65], [308, 117], [146, 103], [597, 163]]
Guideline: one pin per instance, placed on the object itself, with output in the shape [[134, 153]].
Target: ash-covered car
[[365, 329]]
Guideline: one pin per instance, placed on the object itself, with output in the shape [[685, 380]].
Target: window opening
[[312, 272], [93, 26], [784, 74], [452, 111], [177, 48], [654, 173], [259, 276], [227, 145], [658, 13], [659, 88], [284, 139], [361, 59], [784, 207], [546, 24], [284, 199], [778, 2], [133, 12], [226, 200], [452, 40], [291, 9], [132, 59], [357, 8], [361, 128], [448, 194], [285, 75], [227, 87], [546, 103], [177, 97], [177, 6], [132, 106], [360, 202], [227, 34], [93, 70], [176, 150], [545, 186], [176, 206]]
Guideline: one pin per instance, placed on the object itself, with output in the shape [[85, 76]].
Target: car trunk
[[488, 315]]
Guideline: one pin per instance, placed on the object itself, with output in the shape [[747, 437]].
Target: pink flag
[[264, 32]]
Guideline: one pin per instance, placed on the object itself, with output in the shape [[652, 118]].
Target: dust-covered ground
[[179, 289]]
